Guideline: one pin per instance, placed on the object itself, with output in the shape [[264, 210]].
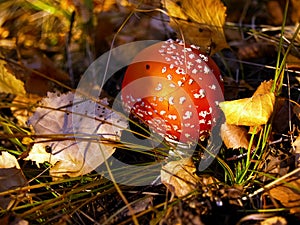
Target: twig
[[268, 186]]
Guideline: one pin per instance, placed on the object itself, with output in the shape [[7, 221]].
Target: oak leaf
[[200, 21]]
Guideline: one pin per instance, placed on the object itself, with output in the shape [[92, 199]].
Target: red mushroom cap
[[174, 89]]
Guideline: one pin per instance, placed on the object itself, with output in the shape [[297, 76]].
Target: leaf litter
[[58, 114], [200, 23]]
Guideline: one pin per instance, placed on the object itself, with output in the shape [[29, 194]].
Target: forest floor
[[47, 48]]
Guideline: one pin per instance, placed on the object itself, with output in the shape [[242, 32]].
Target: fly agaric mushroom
[[174, 89]]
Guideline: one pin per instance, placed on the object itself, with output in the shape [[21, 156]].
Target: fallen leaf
[[11, 177], [295, 15], [7, 160], [10, 219], [296, 144], [275, 12], [179, 176], [254, 111], [275, 220], [234, 136], [288, 196], [296, 110], [200, 21], [264, 88], [60, 115], [9, 83], [22, 107], [37, 61]]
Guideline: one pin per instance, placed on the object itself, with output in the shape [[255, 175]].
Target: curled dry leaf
[[11, 176], [179, 177], [65, 117], [200, 21], [288, 194], [234, 136], [254, 111]]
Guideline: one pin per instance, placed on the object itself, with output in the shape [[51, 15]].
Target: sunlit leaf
[[9, 83], [275, 220], [252, 111], [69, 155], [234, 136], [200, 22], [179, 176], [264, 88], [22, 107]]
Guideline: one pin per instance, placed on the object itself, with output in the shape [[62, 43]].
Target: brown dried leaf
[[296, 110], [234, 136], [36, 84], [58, 116], [295, 11], [275, 220], [11, 176], [200, 21], [22, 106], [296, 144], [179, 177], [288, 196], [252, 111]]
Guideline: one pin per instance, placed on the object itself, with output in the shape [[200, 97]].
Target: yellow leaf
[[252, 111], [264, 88], [9, 83], [200, 21]]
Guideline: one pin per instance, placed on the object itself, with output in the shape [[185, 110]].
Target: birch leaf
[[254, 111], [200, 22], [264, 88]]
